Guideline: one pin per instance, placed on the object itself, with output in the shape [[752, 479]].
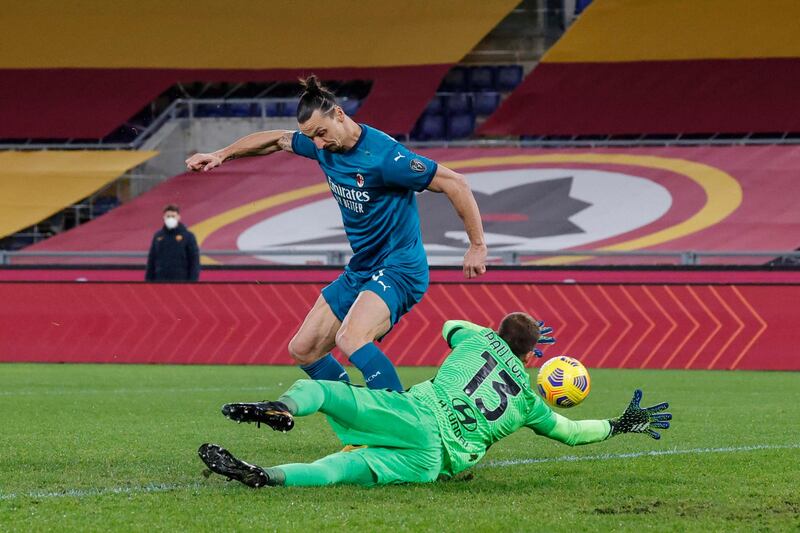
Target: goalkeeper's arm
[[635, 419]]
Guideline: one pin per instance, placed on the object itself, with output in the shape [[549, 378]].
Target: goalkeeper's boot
[[274, 414], [222, 462]]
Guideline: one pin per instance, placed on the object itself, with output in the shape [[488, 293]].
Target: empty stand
[[36, 185], [621, 70]]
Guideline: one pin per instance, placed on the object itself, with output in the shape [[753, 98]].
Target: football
[[563, 381]]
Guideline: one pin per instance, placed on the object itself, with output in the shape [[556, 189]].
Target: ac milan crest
[[360, 180]]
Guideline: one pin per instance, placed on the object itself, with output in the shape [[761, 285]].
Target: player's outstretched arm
[[457, 190], [635, 419], [638, 419], [259, 143]]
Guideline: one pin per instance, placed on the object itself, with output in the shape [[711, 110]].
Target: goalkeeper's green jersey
[[481, 393]]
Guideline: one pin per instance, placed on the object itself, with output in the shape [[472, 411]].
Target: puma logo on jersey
[[399, 156], [385, 286], [377, 277]]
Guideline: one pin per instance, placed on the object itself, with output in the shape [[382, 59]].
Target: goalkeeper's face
[[327, 130]]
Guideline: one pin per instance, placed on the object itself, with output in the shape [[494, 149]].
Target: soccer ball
[[563, 381]]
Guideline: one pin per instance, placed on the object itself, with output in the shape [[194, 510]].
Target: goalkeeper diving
[[437, 428]]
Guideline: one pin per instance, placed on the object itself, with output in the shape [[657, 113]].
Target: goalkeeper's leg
[[338, 468]]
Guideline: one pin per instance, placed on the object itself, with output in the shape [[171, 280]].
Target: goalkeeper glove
[[544, 337], [637, 419]]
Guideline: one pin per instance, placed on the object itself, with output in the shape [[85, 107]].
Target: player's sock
[[326, 368], [276, 477], [378, 370]]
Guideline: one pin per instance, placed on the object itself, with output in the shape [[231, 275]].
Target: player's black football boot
[[274, 414], [222, 462]]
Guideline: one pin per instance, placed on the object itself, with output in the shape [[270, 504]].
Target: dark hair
[[315, 96], [171, 207], [520, 331]]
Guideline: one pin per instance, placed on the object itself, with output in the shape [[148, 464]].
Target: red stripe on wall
[[633, 326], [91, 103], [703, 96]]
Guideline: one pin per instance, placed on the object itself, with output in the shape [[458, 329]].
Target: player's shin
[[378, 370]]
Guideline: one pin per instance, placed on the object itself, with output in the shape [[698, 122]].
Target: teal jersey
[[481, 393], [375, 184]]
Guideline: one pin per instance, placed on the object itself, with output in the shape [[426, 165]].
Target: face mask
[[171, 222]]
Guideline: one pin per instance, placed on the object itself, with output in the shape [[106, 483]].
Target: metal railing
[[340, 257]]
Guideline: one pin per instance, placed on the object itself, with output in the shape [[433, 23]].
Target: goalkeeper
[[437, 428]]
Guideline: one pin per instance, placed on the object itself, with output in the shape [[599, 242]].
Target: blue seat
[[460, 126], [273, 109], [239, 110], [350, 106], [485, 103], [430, 127], [435, 106], [456, 80], [103, 205], [481, 78], [209, 110], [288, 108], [508, 77], [457, 103]]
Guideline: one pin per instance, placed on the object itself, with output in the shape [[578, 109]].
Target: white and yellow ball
[[563, 381]]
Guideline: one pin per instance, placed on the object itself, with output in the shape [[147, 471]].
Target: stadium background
[[639, 191]]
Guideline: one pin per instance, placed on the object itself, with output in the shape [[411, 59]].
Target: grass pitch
[[90, 447]]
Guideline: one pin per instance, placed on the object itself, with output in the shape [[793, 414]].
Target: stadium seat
[[455, 80], [435, 106], [103, 205], [458, 103], [460, 126], [431, 127], [350, 106], [485, 103], [481, 78], [508, 77], [209, 110], [273, 109], [289, 108], [240, 110]]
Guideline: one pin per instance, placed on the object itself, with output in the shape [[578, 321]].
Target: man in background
[[174, 255]]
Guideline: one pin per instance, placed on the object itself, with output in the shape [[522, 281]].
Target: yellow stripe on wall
[[36, 185], [247, 34], [651, 30]]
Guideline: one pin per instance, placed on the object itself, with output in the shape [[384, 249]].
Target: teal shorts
[[401, 434]]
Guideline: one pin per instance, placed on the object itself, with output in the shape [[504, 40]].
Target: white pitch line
[[83, 493], [633, 455], [163, 487], [129, 391]]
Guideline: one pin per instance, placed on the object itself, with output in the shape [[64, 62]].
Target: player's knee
[[348, 340], [303, 351]]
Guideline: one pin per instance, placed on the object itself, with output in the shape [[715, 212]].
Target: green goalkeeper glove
[[637, 419]]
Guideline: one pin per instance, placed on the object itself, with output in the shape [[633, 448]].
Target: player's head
[[172, 215], [520, 331], [319, 118]]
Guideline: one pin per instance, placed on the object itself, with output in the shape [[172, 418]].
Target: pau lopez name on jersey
[[507, 356], [352, 199]]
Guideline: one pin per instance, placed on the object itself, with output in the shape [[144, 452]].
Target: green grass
[[86, 447]]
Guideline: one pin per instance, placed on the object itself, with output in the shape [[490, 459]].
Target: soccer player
[[373, 179], [438, 428]]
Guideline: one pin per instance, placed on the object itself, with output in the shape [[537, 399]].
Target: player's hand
[[545, 337], [637, 419], [475, 261], [203, 162]]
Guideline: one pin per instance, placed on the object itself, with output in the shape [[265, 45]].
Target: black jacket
[[173, 256]]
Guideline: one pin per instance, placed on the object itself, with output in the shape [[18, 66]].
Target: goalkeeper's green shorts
[[401, 434]]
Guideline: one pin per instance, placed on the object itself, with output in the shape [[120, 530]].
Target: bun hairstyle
[[315, 96]]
